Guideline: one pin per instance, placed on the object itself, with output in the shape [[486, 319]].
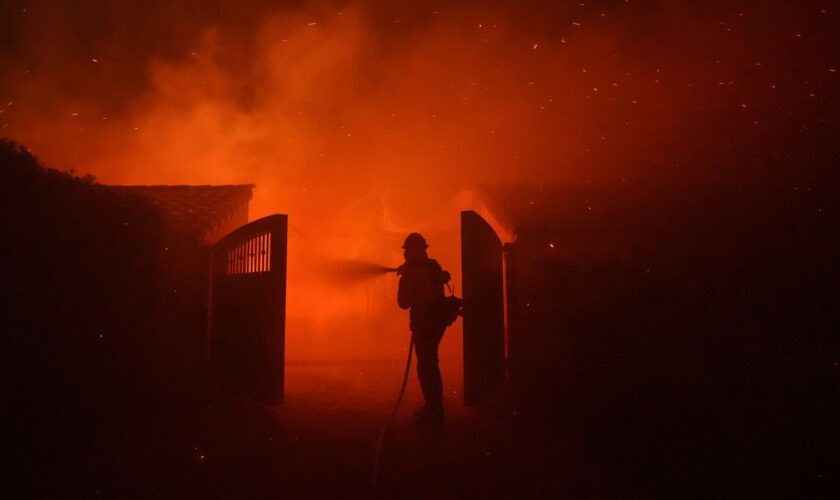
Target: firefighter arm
[[444, 277], [441, 277]]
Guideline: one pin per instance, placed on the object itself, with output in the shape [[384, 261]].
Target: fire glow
[[360, 120]]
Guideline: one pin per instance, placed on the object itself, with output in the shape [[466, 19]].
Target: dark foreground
[[321, 444]]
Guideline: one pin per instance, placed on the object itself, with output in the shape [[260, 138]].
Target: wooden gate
[[484, 317], [247, 309]]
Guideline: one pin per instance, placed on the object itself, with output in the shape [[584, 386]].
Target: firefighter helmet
[[415, 240]]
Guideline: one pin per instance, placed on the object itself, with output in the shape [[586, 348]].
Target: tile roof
[[195, 208]]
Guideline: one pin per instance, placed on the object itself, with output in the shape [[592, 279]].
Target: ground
[[320, 443]]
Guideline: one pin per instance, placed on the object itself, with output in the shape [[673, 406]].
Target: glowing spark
[[575, 23], [95, 60], [312, 24], [534, 47]]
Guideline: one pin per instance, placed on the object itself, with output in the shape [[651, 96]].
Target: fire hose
[[381, 440]]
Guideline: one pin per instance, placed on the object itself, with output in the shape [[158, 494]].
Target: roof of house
[[202, 209]]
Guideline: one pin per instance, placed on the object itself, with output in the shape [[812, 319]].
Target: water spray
[[353, 271]]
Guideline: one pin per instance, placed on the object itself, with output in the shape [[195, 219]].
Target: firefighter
[[421, 290]]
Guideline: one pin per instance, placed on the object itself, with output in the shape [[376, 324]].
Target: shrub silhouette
[[82, 289]]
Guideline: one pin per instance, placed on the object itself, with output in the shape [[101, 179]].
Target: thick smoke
[[327, 102]]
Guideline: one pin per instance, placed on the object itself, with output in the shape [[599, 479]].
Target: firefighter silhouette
[[421, 290]]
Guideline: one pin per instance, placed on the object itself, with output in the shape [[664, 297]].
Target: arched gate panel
[[484, 316], [247, 310]]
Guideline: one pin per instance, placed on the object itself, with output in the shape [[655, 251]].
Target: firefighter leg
[[428, 372]]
